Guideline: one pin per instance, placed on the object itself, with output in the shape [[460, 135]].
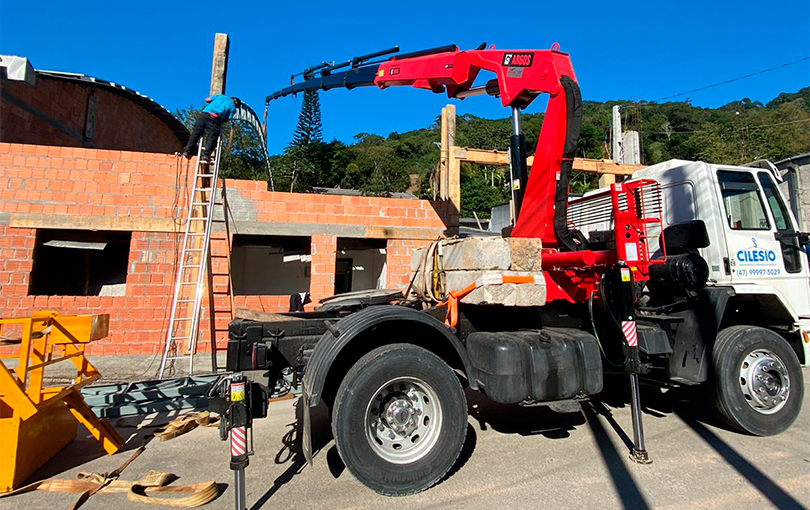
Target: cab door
[[760, 235]]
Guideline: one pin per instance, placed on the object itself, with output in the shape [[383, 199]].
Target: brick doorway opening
[[360, 264]]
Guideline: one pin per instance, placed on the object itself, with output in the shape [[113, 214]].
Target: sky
[[627, 50]]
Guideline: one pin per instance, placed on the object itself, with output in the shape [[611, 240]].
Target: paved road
[[514, 458]]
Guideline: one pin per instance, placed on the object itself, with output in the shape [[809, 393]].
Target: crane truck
[[687, 274]]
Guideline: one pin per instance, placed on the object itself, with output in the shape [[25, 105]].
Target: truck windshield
[[742, 201]]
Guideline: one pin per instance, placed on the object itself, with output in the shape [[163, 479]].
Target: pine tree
[[309, 121]]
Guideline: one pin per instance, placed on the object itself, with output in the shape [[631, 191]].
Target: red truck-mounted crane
[[392, 368]]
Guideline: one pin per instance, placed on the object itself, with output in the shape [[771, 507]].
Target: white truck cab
[[755, 248]]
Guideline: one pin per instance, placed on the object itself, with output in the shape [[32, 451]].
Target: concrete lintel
[[309, 229], [79, 222], [127, 224], [295, 229]]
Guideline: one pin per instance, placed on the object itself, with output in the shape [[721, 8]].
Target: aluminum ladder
[[184, 322]]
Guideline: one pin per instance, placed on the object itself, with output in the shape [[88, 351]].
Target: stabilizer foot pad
[[640, 456]]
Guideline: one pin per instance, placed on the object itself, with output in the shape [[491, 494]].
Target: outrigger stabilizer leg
[[638, 453], [238, 418], [623, 304], [238, 402]]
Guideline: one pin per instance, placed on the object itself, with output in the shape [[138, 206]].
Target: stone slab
[[525, 254], [416, 259], [476, 253], [508, 294], [482, 253]]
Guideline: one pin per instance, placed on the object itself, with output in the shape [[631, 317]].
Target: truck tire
[[399, 419], [757, 384]]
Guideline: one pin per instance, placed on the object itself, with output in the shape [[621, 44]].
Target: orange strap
[[453, 297]]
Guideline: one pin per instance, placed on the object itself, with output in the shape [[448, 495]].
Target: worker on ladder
[[220, 109]]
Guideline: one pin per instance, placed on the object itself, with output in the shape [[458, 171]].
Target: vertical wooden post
[[606, 180], [444, 150], [219, 66], [453, 168]]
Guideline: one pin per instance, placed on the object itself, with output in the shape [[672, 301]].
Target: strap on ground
[[142, 490]]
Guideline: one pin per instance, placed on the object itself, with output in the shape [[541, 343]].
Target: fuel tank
[[536, 366]]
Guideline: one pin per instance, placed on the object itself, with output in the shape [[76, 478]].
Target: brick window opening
[[359, 265], [270, 265], [80, 263]]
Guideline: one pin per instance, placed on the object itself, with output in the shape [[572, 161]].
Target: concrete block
[[416, 258], [509, 294], [530, 295], [525, 253], [476, 253], [505, 295]]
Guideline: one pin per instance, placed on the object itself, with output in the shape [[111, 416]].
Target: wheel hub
[[400, 415], [764, 381], [403, 419]]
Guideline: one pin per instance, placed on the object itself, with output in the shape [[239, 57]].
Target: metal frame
[[36, 421]]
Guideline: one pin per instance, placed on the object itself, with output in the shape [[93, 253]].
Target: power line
[[777, 124], [736, 79], [758, 126]]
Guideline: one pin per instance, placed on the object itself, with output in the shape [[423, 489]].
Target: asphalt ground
[[513, 458]]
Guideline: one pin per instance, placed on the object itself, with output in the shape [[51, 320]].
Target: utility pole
[[631, 148], [615, 146], [616, 135]]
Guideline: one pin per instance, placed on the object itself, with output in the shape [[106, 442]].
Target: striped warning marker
[[629, 330], [238, 441]]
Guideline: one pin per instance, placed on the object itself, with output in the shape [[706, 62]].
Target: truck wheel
[[757, 385], [399, 420]]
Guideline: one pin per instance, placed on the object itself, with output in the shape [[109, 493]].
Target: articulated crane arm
[[520, 77]]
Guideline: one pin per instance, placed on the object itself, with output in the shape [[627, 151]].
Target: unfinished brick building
[[99, 231]]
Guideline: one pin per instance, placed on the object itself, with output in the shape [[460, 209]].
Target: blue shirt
[[222, 106]]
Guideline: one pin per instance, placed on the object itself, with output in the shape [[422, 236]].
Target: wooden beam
[[500, 158], [219, 66]]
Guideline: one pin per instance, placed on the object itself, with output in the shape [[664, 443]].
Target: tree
[[590, 143], [477, 193], [309, 128], [385, 173], [293, 171]]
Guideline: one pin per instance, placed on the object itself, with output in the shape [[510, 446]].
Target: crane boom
[[520, 77]]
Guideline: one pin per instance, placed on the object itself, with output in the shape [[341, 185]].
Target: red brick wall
[[119, 123], [63, 187], [339, 209], [398, 257], [137, 320]]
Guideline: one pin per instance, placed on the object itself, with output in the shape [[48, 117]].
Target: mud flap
[[306, 436]]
